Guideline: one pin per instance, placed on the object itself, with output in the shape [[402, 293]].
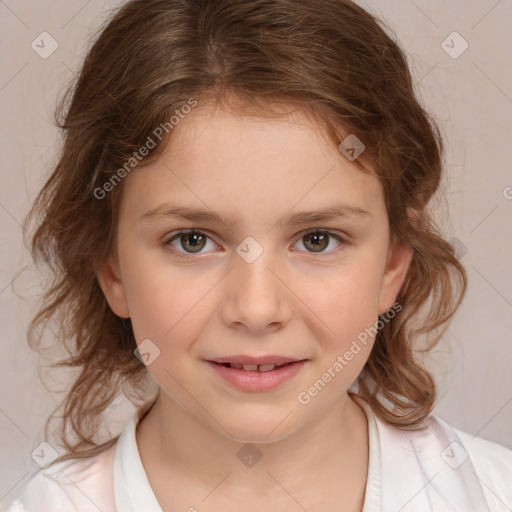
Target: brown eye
[[188, 242], [317, 241], [193, 241]]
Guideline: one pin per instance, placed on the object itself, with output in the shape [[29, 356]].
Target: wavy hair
[[332, 59]]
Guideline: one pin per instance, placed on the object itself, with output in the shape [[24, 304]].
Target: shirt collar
[[133, 492]]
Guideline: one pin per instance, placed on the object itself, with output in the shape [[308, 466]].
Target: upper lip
[[240, 359]]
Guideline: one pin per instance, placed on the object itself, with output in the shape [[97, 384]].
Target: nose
[[256, 298]]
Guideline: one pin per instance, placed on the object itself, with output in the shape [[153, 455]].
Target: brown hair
[[332, 59]]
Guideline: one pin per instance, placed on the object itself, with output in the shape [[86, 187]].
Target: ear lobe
[[113, 288], [397, 266]]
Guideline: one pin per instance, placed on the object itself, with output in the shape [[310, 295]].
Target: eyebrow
[[193, 214]]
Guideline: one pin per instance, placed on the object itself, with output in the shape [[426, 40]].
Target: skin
[[290, 301]]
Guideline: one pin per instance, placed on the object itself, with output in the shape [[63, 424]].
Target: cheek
[[162, 309], [166, 305], [167, 318], [343, 301]]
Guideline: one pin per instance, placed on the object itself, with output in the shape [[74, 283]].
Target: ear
[[397, 266], [113, 288]]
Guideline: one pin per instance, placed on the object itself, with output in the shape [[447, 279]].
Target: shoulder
[[488, 455], [77, 484], [467, 470], [493, 465]]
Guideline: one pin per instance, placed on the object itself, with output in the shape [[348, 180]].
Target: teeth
[[266, 367], [250, 367], [254, 367]]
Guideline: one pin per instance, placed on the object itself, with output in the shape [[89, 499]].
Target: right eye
[[190, 240]]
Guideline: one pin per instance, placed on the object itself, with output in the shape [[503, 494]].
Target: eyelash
[[176, 236]]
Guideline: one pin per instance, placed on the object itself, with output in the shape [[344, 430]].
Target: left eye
[[193, 242], [319, 240]]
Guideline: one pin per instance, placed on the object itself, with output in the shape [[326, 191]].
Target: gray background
[[471, 96]]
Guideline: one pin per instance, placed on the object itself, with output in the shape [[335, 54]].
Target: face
[[253, 241]]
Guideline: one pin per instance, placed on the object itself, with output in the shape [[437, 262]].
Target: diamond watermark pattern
[[249, 250], [454, 45], [44, 454], [44, 45], [352, 147], [147, 351], [249, 455], [454, 455], [459, 247]]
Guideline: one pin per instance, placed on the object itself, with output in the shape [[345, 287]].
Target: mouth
[[256, 374], [254, 367], [252, 364]]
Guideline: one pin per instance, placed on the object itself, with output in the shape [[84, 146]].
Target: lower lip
[[256, 380]]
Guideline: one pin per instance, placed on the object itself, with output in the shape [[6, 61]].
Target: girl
[[239, 215]]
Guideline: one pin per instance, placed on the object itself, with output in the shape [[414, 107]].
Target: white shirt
[[407, 471]]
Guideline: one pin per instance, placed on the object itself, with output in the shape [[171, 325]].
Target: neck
[[334, 445]]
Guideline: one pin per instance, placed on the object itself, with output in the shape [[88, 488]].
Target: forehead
[[239, 163]]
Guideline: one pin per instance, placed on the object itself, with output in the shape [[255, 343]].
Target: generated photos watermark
[[304, 397], [143, 151]]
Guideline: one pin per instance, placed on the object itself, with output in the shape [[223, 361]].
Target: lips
[[256, 374]]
